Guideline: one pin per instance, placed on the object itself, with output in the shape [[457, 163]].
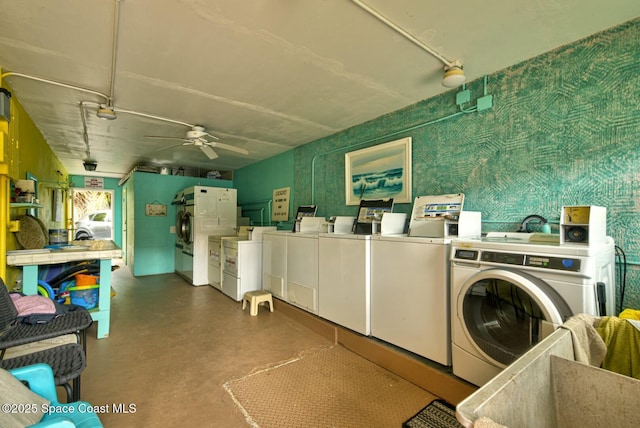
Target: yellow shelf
[[23, 205]]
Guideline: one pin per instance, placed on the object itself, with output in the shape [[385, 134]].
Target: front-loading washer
[[507, 295]]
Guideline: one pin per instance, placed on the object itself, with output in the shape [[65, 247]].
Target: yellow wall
[[24, 150]]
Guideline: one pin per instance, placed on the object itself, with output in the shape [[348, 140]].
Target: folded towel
[[630, 314], [588, 346], [623, 346]]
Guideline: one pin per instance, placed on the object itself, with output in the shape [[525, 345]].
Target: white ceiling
[[262, 75]]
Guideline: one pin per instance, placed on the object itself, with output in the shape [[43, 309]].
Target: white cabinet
[[410, 295], [345, 280]]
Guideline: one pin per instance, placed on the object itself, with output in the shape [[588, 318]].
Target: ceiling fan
[[198, 136]]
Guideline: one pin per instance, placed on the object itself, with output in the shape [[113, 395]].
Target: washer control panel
[[537, 261]]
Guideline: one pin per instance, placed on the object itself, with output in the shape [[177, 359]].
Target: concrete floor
[[171, 348]]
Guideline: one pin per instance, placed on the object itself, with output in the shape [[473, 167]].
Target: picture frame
[[379, 172]]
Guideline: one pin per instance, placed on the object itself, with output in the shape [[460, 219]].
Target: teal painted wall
[[564, 130], [154, 244], [256, 183], [77, 181]]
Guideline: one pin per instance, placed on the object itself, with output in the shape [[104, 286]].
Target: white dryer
[[202, 211], [507, 295]]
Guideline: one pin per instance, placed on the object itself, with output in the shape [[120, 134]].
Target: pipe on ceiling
[[447, 62]]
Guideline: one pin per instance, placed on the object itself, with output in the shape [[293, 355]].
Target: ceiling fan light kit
[[196, 136]]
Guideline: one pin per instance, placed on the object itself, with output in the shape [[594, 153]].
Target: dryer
[[202, 211], [507, 295]]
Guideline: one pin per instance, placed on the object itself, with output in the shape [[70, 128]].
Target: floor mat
[[438, 414], [340, 389]]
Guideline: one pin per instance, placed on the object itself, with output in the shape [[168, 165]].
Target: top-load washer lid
[[304, 211], [371, 210], [243, 232], [431, 212]]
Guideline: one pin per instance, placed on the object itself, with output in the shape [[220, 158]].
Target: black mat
[[438, 414]]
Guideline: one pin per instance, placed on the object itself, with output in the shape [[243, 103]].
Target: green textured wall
[[256, 183], [564, 130], [154, 244]]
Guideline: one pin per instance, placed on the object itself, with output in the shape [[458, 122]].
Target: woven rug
[[328, 387], [438, 414]]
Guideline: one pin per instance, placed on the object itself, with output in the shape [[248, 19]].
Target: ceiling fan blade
[[158, 137], [230, 148], [212, 136], [211, 154], [169, 147]]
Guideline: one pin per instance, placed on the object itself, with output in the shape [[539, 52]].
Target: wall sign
[[156, 210], [94, 182], [280, 211]]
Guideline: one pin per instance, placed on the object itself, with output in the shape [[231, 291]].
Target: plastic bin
[[85, 295], [547, 388]]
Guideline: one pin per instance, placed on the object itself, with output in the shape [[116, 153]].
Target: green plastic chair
[[39, 378]]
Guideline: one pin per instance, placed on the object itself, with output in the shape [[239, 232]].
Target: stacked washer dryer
[[202, 211], [508, 292]]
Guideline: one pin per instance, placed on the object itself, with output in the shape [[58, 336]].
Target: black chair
[[14, 333], [67, 361]]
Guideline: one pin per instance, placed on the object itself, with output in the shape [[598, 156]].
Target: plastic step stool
[[255, 298]]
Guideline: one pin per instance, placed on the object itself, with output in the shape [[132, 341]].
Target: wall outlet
[[172, 229], [485, 103], [463, 97]]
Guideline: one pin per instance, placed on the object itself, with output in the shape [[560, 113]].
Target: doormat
[[437, 414], [328, 387]]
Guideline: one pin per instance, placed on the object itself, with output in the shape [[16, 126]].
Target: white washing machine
[[410, 294], [344, 277], [241, 262], [507, 295], [274, 263]]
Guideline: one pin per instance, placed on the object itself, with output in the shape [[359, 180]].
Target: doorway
[[92, 214]]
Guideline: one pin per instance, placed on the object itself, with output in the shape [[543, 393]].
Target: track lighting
[[106, 112], [453, 75]]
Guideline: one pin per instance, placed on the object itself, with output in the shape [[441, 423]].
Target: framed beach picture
[[378, 172]]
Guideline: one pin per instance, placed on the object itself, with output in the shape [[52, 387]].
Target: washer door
[[504, 313], [179, 216], [185, 225]]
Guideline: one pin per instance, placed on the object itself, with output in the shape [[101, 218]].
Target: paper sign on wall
[[280, 210], [94, 182], [155, 210]]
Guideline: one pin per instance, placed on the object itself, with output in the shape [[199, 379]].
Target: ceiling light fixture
[[453, 74], [106, 112], [90, 165]]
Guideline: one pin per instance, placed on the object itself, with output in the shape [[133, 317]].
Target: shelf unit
[[583, 225], [24, 205]]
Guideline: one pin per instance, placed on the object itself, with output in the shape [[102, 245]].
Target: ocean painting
[[379, 172], [377, 185]]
